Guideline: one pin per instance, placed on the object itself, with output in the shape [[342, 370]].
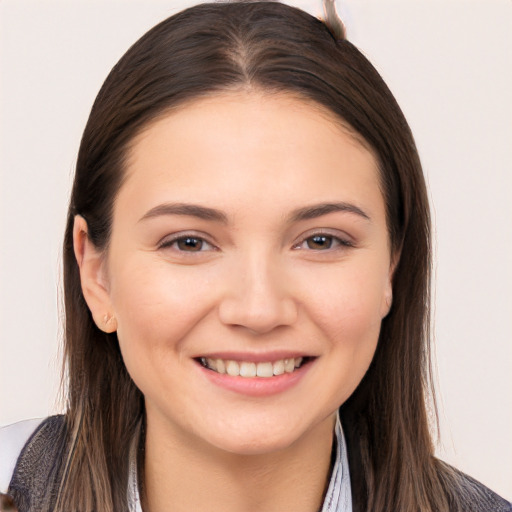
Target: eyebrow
[[192, 210], [212, 214], [317, 210]]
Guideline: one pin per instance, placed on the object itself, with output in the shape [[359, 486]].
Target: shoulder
[[12, 440], [37, 461], [476, 497]]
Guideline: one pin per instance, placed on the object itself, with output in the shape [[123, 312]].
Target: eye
[[319, 242], [322, 242], [187, 243]]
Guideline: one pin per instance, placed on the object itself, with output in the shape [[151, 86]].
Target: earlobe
[[388, 292], [109, 323], [91, 264], [388, 301]]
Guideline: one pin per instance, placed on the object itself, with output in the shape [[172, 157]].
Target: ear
[[388, 299], [388, 289], [93, 277]]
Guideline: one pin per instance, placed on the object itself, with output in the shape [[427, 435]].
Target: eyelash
[[337, 241], [166, 244]]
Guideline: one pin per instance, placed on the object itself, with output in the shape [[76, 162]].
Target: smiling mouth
[[250, 369]]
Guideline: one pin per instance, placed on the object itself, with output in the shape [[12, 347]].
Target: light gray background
[[448, 63]]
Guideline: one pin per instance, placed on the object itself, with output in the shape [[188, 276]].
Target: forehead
[[274, 108], [248, 146]]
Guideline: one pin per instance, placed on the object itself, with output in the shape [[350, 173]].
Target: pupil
[[190, 244], [320, 242]]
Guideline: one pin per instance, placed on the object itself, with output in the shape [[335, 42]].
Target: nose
[[258, 297]]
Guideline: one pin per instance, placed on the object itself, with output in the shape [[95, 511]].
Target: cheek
[[349, 305], [155, 306], [348, 315], [353, 325]]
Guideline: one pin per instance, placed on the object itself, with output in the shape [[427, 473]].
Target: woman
[[246, 268]]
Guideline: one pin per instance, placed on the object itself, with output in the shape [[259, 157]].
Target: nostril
[[259, 315]]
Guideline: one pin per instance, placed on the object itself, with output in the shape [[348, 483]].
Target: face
[[248, 270]]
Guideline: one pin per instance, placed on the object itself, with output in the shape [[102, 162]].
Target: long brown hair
[[272, 47]]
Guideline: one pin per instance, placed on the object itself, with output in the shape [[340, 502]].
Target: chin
[[250, 438], [254, 445]]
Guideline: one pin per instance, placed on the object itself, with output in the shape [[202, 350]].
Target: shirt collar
[[339, 497]]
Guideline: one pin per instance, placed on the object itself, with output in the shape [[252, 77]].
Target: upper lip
[[254, 357]]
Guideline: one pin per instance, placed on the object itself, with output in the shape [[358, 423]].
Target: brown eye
[[186, 243], [319, 242], [190, 244]]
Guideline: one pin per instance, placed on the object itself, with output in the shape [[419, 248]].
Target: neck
[[185, 475]]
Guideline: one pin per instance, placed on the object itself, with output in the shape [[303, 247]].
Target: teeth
[[264, 370], [221, 367], [289, 365], [232, 368], [278, 367], [249, 369]]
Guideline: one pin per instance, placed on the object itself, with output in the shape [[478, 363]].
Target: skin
[[256, 283]]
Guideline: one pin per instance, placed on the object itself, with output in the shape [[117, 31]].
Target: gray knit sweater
[[37, 473]]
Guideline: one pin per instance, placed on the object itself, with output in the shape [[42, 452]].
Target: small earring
[[109, 323]]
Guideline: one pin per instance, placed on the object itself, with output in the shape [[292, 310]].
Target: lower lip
[[257, 386]]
